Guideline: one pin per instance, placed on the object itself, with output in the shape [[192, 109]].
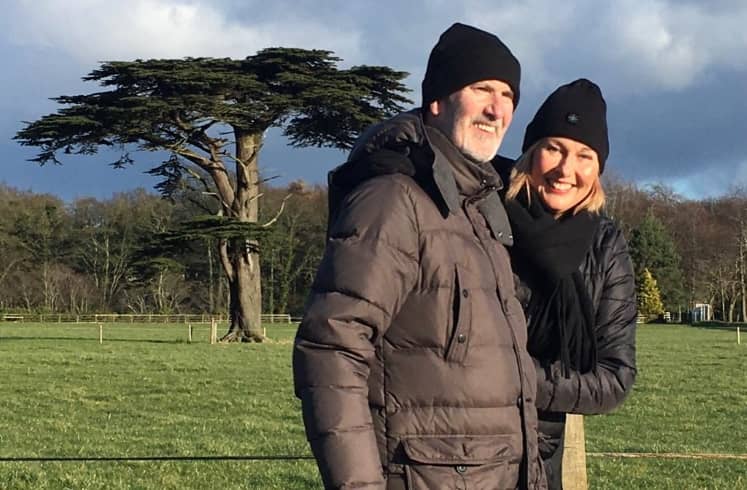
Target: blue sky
[[673, 72]]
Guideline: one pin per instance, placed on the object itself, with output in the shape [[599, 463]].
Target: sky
[[673, 72]]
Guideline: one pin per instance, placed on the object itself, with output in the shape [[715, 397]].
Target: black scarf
[[547, 253]]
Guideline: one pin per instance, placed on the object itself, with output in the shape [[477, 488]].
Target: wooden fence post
[[101, 334], [213, 331], [574, 454], [189, 333], [739, 339]]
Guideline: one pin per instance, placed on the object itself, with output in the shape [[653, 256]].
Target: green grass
[[147, 392], [690, 396]]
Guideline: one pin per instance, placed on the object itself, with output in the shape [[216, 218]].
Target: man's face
[[475, 118]]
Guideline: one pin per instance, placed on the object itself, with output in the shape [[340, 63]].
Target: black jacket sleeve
[[604, 389]]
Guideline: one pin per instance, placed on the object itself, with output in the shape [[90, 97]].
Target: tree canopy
[[649, 298], [173, 104], [652, 248]]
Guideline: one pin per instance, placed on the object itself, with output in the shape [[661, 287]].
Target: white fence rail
[[132, 318]]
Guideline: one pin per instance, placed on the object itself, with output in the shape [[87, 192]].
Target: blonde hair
[[521, 180]]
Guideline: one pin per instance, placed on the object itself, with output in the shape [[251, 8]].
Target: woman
[[575, 274]]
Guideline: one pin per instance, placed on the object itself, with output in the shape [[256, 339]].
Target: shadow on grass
[[730, 327]]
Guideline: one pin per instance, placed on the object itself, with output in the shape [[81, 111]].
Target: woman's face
[[563, 172]]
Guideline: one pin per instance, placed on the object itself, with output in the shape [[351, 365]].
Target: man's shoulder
[[382, 208], [385, 190], [399, 131]]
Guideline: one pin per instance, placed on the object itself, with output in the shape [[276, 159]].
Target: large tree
[[210, 116], [652, 248]]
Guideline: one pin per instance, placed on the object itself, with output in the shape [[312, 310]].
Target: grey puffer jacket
[[410, 361], [608, 274]]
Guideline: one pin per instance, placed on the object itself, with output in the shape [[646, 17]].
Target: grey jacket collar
[[408, 128], [470, 178], [454, 174]]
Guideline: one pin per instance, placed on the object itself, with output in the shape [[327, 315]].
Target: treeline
[[696, 250], [87, 256]]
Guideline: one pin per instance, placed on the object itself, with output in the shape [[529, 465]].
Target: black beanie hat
[[576, 111], [465, 55]]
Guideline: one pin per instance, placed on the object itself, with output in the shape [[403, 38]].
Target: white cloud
[[671, 45], [628, 45], [633, 45], [673, 71], [95, 30]]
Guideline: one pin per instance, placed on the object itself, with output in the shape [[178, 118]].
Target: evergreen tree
[[210, 116], [649, 298], [652, 248]]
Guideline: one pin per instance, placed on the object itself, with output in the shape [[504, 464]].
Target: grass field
[[147, 392]]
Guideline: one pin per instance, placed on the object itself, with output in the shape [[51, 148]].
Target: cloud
[[673, 72], [632, 45], [671, 46], [96, 30], [629, 45]]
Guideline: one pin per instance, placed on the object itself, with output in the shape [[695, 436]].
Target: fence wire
[[64, 459]]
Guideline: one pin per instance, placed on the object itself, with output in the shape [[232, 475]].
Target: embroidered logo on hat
[[572, 118]]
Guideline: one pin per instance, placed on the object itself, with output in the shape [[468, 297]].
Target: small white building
[[701, 312]]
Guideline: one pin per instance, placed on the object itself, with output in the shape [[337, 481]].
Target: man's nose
[[494, 110]]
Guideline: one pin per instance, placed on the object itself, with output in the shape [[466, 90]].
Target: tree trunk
[[722, 290], [244, 278], [245, 300], [211, 280], [732, 306], [743, 270]]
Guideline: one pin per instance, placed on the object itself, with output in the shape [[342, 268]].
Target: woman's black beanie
[[576, 111]]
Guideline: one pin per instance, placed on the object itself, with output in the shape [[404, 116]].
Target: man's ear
[[435, 108]]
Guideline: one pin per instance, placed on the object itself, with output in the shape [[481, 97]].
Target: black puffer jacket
[[608, 274]]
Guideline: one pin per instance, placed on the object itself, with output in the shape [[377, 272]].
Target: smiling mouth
[[559, 186], [487, 128]]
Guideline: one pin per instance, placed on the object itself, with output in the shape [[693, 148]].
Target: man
[[410, 361]]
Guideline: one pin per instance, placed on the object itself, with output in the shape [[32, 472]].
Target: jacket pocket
[[457, 340], [461, 462]]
